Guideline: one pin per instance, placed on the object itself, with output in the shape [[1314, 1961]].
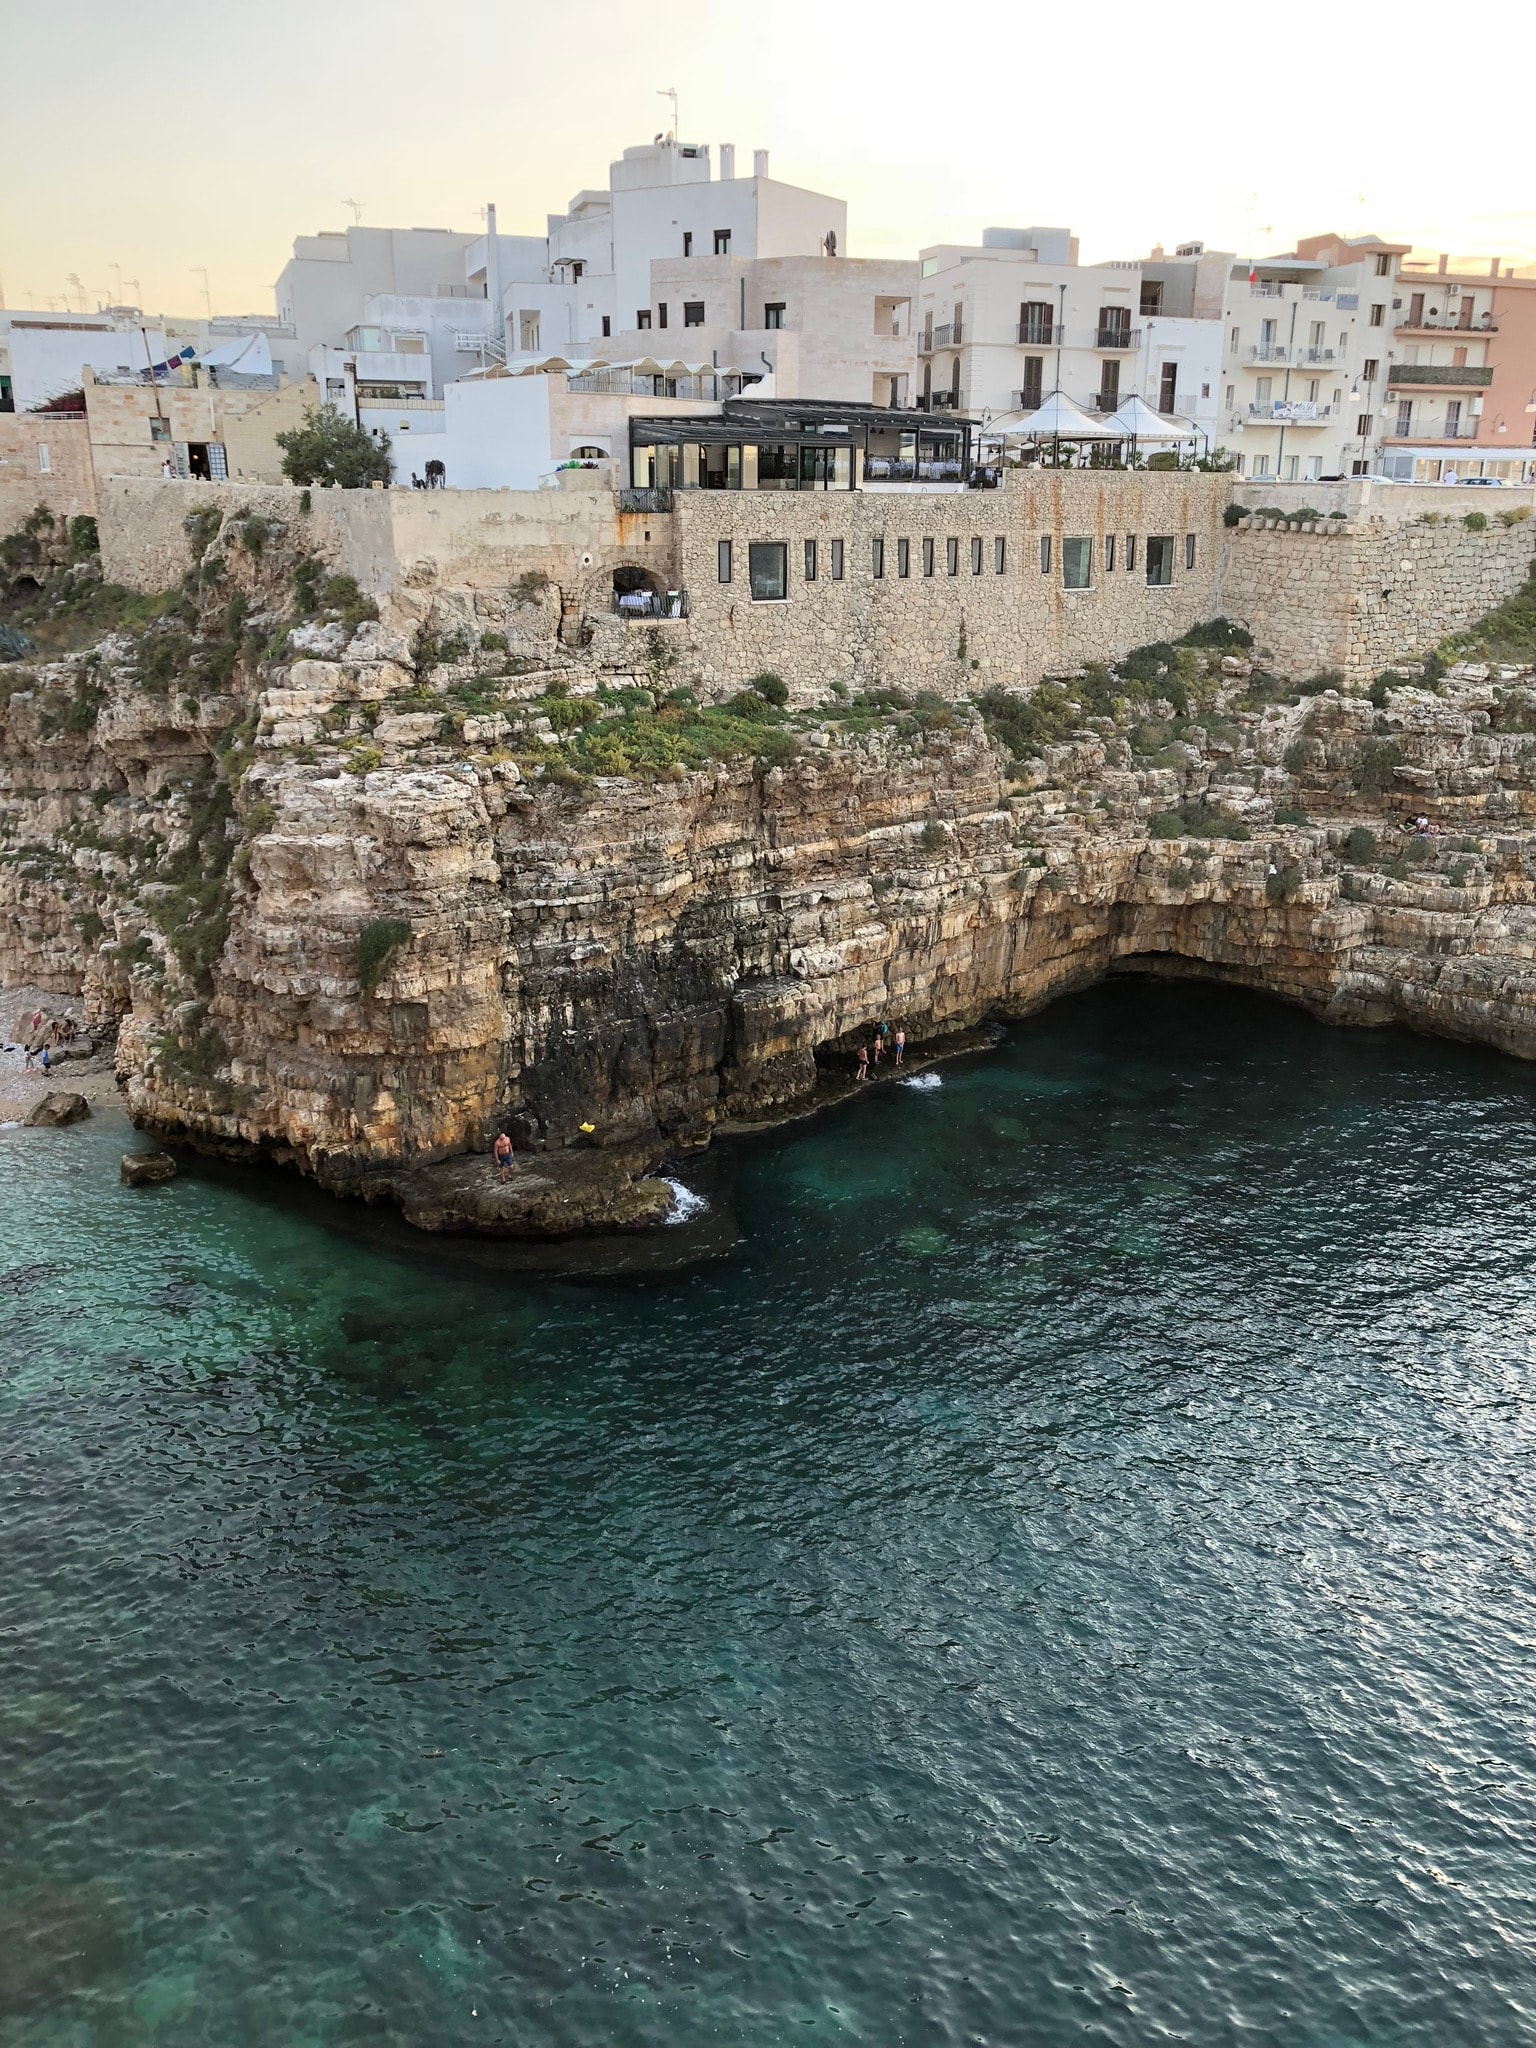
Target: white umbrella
[[1136, 421], [1060, 420]]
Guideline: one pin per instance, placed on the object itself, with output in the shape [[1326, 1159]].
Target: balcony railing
[[1487, 325], [1476, 375], [950, 335], [638, 605], [636, 498], [1270, 352], [1104, 401], [1314, 355], [1037, 334], [1431, 430], [888, 469], [1116, 338], [1292, 412], [1028, 401]]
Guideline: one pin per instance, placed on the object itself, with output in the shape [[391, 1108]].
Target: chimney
[[759, 163], [1445, 264], [492, 267], [727, 159], [1493, 268]]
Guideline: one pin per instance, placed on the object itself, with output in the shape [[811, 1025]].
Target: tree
[[328, 449]]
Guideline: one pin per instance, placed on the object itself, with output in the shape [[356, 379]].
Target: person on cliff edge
[[501, 1152]]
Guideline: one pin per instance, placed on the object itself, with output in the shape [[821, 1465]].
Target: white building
[[1307, 358]]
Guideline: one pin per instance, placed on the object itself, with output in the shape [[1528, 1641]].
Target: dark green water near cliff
[[1067, 1577]]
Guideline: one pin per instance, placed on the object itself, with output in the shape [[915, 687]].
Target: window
[[1261, 465], [1383, 266], [768, 570], [693, 312], [159, 430], [1159, 558], [1363, 424], [643, 317], [952, 557], [1151, 296], [723, 561], [903, 558], [661, 314], [877, 559], [1371, 366], [928, 557], [976, 554], [773, 315], [1189, 551], [1262, 387], [1045, 554], [722, 241], [1109, 554], [836, 547], [687, 241], [999, 554], [1076, 564], [1231, 394], [810, 561], [1235, 339], [1168, 387], [607, 325], [44, 460], [1359, 468], [1130, 554], [1036, 321], [1378, 314], [1239, 465], [1033, 389]]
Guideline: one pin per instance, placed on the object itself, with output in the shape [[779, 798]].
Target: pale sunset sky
[[148, 143]]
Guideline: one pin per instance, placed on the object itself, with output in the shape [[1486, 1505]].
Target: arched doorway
[[638, 593]]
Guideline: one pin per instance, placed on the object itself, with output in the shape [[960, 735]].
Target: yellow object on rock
[[589, 1129]]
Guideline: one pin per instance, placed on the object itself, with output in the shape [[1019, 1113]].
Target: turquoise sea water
[[1066, 1577]]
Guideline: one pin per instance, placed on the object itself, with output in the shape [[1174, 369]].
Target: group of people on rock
[[45, 1035], [1424, 828], [883, 1041]]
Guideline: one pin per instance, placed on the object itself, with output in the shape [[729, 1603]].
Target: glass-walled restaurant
[[796, 445]]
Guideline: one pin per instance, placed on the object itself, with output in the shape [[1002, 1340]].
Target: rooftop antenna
[[199, 271], [669, 92], [357, 211], [73, 277]]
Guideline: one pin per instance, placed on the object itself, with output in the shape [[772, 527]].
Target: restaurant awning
[[1060, 420], [1136, 421]]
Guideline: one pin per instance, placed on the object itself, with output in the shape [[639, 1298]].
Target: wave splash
[[685, 1203], [922, 1081]]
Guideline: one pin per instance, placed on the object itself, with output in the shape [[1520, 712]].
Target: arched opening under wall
[[638, 593], [588, 452]]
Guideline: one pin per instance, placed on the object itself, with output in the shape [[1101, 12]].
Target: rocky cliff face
[[357, 893]]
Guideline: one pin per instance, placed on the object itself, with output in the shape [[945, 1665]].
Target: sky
[[152, 145]]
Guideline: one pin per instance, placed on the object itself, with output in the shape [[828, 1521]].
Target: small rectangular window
[[687, 242], [607, 325], [999, 555], [975, 554], [952, 557], [903, 558], [661, 314], [1076, 563], [723, 560], [1189, 551], [643, 317], [722, 241], [773, 315], [1109, 554], [44, 460], [1130, 554], [693, 312], [1363, 425], [877, 558], [927, 557], [1383, 266], [768, 570], [810, 561], [1371, 367], [1378, 314], [1159, 558], [836, 547], [1045, 554]]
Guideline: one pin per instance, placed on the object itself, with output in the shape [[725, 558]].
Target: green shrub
[[771, 688], [83, 537], [1476, 522], [1376, 762], [933, 838], [377, 944], [1360, 845], [200, 526], [1291, 816], [1167, 825], [1234, 515], [1281, 885], [493, 643], [1297, 757], [1325, 679], [1515, 516], [1461, 873], [1026, 724], [327, 448], [1218, 632]]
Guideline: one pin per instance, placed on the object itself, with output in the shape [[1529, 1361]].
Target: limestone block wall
[[1359, 598], [66, 486], [988, 606]]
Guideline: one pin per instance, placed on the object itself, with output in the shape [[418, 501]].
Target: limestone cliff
[[358, 891]]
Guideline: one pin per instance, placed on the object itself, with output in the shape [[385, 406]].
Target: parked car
[[1488, 483]]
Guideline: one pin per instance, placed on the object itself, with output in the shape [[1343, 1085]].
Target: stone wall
[[66, 487], [1381, 498], [1357, 598], [956, 632]]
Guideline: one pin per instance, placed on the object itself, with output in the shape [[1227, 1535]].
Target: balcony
[[1313, 355], [635, 606], [1114, 338], [1268, 352], [1487, 325], [1291, 412], [1475, 375], [890, 469], [1037, 334], [950, 335], [1432, 430], [639, 498]]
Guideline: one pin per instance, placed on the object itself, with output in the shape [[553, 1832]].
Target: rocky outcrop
[[358, 896]]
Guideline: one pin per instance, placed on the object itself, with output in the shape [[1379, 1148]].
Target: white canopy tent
[[1060, 420], [1136, 421]]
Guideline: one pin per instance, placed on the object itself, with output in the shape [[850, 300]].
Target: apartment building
[[1462, 385], [1308, 350], [1004, 325]]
